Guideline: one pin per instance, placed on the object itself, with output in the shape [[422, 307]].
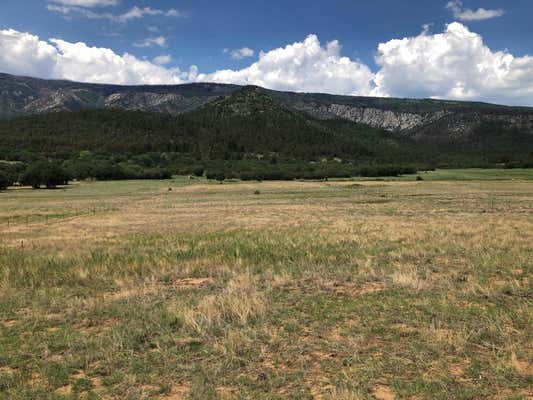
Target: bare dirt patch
[[177, 392], [227, 392], [7, 370], [458, 369], [9, 323], [64, 390], [91, 328], [373, 287], [382, 392], [190, 283], [522, 366]]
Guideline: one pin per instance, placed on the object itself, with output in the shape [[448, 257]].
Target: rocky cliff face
[[374, 117], [155, 102], [60, 100], [453, 118]]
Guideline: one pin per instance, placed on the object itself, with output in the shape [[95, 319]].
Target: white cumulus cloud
[[25, 54], [302, 66], [454, 64], [462, 14]]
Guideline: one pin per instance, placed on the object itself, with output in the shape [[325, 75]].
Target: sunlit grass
[[309, 290]]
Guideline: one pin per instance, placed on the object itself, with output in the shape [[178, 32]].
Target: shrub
[[198, 171]]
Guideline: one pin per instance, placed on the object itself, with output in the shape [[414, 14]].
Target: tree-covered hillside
[[249, 134], [249, 123]]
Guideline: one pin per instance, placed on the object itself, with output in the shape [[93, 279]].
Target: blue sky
[[224, 35]]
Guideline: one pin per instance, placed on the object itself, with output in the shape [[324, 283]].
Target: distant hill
[[24, 95], [215, 121]]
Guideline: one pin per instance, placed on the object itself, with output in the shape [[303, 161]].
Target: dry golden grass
[[237, 302], [310, 290]]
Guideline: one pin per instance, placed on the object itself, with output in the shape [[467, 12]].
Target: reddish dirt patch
[[318, 393], [227, 392], [382, 392], [65, 390], [178, 392], [7, 370], [36, 380], [458, 369], [372, 287], [189, 283], [522, 366], [9, 324]]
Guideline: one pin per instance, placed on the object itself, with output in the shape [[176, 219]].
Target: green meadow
[[190, 289]]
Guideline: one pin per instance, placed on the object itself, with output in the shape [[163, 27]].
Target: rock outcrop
[[374, 117]]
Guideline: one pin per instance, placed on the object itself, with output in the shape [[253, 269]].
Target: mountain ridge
[[209, 121], [213, 90], [21, 96]]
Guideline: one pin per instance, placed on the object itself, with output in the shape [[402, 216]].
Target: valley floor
[[187, 289]]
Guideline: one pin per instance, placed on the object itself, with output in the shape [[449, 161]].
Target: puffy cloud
[[22, 53], [454, 64], [25, 54], [132, 14], [163, 59], [302, 66], [87, 3], [456, 6], [239, 54], [160, 41]]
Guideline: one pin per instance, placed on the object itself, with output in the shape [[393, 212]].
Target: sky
[[478, 50]]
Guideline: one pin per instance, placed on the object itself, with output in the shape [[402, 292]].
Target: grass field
[[344, 290]]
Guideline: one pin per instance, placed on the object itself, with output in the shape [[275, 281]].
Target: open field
[[276, 290]]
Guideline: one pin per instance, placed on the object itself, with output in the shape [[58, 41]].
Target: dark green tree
[[49, 174], [6, 179]]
